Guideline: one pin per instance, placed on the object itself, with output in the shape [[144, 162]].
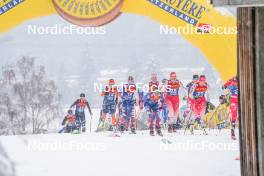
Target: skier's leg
[[190, 123], [170, 113], [133, 124], [103, 119], [128, 115], [123, 119], [233, 127], [83, 121], [78, 121], [105, 111], [113, 120], [202, 124], [66, 129], [195, 114], [113, 117], [74, 127], [234, 115], [202, 114], [157, 124], [176, 104], [165, 114], [132, 119], [150, 122]]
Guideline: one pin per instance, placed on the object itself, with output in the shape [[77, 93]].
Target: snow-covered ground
[[99, 154]]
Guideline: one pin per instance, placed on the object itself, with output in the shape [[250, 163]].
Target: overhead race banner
[[205, 27]]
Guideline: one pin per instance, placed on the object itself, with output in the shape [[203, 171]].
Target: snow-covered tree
[[29, 100]]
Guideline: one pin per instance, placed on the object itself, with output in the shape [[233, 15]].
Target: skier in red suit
[[198, 94], [173, 101], [232, 87]]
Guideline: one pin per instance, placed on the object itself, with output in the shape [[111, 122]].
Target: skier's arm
[[146, 99], [192, 89], [89, 108], [74, 104], [103, 93], [64, 121], [226, 84]]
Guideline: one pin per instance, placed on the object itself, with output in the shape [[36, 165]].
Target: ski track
[[128, 155]]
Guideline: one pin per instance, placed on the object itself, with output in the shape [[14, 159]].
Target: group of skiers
[[161, 102]]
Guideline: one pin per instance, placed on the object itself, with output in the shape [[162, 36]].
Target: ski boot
[[111, 128], [151, 132], [204, 132], [192, 129], [233, 136], [170, 128], [133, 131], [122, 129], [158, 130], [174, 127], [114, 128], [77, 130], [83, 129], [164, 126]]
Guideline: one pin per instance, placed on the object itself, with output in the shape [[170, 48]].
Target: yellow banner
[[218, 46]]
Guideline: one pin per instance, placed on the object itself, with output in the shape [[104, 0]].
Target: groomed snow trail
[[97, 154]]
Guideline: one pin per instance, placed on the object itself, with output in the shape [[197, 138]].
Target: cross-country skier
[[187, 113], [188, 87], [153, 105], [232, 86], [69, 122], [173, 101], [198, 93], [80, 105], [128, 102], [110, 94], [165, 112]]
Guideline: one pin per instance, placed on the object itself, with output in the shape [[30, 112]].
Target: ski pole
[[91, 124], [188, 122]]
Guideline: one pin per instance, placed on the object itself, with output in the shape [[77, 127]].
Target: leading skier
[[173, 101]]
